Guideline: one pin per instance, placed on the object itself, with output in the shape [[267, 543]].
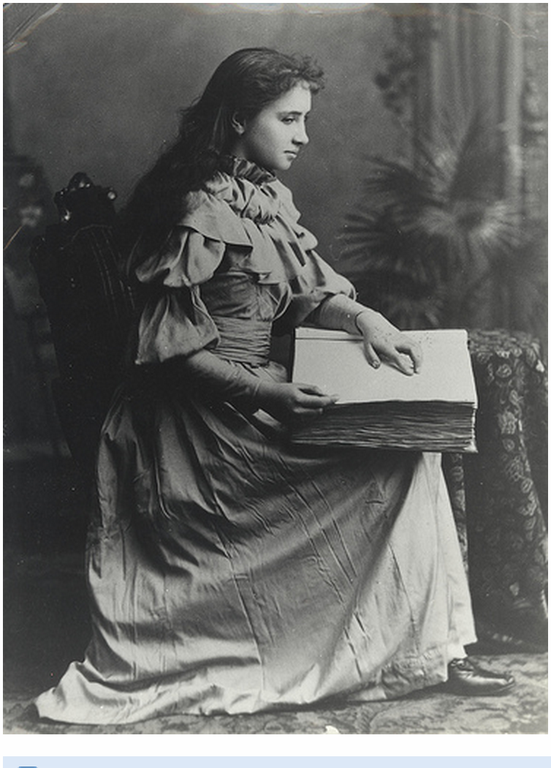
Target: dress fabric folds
[[230, 571]]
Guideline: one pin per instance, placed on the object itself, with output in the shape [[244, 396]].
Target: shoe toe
[[467, 679]]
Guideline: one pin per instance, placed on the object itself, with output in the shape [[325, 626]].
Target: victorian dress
[[228, 570]]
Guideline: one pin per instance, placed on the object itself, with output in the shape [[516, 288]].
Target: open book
[[433, 410]]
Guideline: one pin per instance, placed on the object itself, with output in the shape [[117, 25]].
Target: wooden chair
[[90, 308]]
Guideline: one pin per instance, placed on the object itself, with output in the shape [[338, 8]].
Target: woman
[[228, 571]]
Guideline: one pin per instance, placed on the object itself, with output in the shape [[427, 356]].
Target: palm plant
[[429, 242]]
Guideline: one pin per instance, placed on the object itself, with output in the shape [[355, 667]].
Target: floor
[[46, 627]]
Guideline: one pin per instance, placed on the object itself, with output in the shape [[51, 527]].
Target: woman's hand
[[289, 403], [384, 340]]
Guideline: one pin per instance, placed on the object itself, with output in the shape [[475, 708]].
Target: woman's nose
[[301, 137]]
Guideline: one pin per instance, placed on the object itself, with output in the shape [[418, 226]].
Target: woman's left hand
[[384, 340]]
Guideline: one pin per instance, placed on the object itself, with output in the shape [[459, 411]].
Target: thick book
[[433, 410]]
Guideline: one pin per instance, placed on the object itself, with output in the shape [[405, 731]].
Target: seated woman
[[230, 572]]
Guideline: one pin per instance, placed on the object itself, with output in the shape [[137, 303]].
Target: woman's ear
[[238, 123]]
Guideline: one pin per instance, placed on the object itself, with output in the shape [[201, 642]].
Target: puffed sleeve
[[175, 321], [175, 326]]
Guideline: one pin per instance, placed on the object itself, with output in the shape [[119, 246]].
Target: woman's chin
[[285, 164]]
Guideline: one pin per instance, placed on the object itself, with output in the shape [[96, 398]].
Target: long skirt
[[232, 572]]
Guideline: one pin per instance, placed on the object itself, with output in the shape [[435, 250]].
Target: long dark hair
[[244, 83]]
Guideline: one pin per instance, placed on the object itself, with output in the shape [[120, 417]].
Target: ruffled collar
[[240, 168], [248, 198], [259, 221]]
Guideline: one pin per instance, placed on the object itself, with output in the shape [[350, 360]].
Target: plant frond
[[437, 228]]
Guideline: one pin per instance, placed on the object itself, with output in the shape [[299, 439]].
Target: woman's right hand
[[289, 403]]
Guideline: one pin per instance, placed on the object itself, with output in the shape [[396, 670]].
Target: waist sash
[[243, 340]]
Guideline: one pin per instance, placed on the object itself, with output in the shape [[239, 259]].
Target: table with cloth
[[499, 495]]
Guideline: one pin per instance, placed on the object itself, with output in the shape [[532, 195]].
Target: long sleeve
[[339, 312], [214, 379]]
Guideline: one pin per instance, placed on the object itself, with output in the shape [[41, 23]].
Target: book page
[[335, 362]]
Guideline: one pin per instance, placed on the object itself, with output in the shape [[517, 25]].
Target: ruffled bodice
[[242, 223]]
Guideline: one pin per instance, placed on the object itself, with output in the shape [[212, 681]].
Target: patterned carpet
[[45, 627]]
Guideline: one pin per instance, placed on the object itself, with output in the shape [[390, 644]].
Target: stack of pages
[[433, 410]]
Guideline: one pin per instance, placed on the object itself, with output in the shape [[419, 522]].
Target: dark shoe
[[465, 678]]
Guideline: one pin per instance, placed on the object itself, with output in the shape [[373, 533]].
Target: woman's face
[[274, 137]]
